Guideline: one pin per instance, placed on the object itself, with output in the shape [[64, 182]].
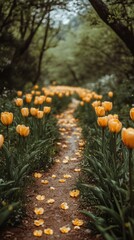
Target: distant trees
[[119, 15], [20, 21]]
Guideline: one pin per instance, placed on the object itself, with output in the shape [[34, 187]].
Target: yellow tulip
[[96, 103], [33, 111], [132, 113], [28, 97], [1, 140], [128, 137], [19, 93], [107, 105], [114, 125], [19, 102], [22, 130], [6, 118], [40, 114], [36, 87], [110, 94], [48, 100], [47, 110], [25, 112], [102, 121], [100, 111]]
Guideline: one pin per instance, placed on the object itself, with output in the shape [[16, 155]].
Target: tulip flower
[[25, 112], [132, 113], [110, 94], [100, 111], [22, 130], [36, 87], [33, 111], [37, 93], [40, 114], [128, 140], [48, 100], [102, 122], [19, 102], [114, 125], [107, 106], [47, 110], [96, 104], [1, 140], [28, 97], [6, 118], [19, 93]]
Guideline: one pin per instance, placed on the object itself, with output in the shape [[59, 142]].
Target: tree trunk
[[121, 30]]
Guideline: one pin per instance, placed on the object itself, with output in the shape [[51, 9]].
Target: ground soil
[[69, 158]]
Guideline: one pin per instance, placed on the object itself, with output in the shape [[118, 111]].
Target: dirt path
[[56, 184]]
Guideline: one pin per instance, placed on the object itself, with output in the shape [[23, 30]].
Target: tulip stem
[[7, 137], [131, 181], [103, 139], [115, 147]]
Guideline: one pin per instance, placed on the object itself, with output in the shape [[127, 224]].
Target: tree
[[119, 16]]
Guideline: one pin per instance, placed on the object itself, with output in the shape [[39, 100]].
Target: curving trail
[[56, 184]]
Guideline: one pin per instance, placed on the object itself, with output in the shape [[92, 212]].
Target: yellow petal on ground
[[50, 201], [65, 229], [64, 146], [44, 181], [40, 197], [77, 222], [65, 161], [58, 143], [57, 160], [67, 157], [37, 233], [73, 159], [62, 180], [77, 170], [48, 231], [64, 206], [74, 193], [53, 176], [37, 175], [67, 176], [38, 222], [52, 188], [76, 227], [39, 211]]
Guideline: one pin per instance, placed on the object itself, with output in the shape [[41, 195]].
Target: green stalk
[[7, 137], [131, 181], [103, 139], [115, 147]]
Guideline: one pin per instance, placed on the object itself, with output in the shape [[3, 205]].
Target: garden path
[[56, 184]]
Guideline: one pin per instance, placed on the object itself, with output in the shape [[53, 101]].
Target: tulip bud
[[6, 118], [22, 130], [47, 110], [110, 94], [36, 87], [1, 140], [19, 93], [28, 97], [100, 111], [114, 125], [132, 113], [40, 114], [33, 111], [19, 102], [128, 137], [82, 103], [102, 121], [96, 104], [48, 100], [25, 112], [107, 105]]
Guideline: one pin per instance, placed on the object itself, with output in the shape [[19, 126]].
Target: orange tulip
[[47, 110], [25, 112], [19, 102], [128, 137], [102, 121], [82, 103], [36, 87], [132, 113], [107, 105], [6, 118], [110, 94], [48, 100], [114, 125], [114, 116], [40, 114], [1, 140], [28, 97], [38, 93], [22, 130], [19, 93], [96, 104], [33, 111], [100, 111]]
